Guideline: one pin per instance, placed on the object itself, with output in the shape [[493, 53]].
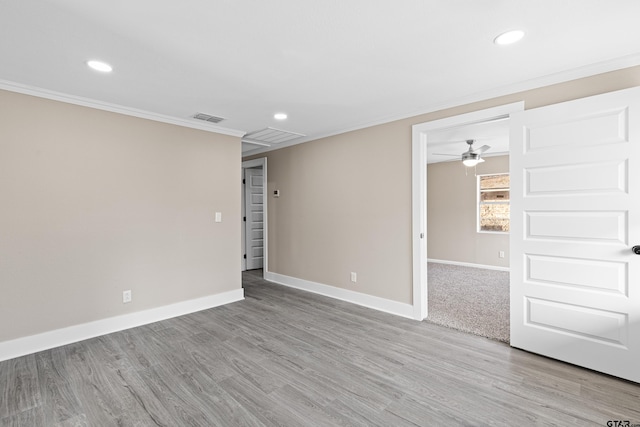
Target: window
[[493, 203]]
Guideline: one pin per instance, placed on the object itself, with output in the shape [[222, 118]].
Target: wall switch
[[218, 216], [276, 193], [354, 277], [126, 297], [500, 254]]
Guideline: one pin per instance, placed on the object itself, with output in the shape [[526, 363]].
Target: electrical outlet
[[500, 254], [126, 297], [354, 277]]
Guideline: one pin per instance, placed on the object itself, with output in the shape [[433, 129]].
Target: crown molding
[[548, 80], [114, 108], [564, 76]]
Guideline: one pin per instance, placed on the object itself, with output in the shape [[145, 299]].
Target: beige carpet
[[473, 300]]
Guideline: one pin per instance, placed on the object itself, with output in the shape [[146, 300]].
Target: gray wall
[[451, 215], [346, 199], [94, 203]]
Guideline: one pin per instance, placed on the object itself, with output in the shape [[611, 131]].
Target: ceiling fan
[[471, 157]]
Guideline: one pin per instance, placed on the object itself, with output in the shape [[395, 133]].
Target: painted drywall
[[345, 201], [95, 203], [341, 210], [452, 212]]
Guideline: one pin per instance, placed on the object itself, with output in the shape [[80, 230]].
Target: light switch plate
[[218, 216]]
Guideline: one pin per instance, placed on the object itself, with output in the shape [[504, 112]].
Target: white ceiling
[[332, 65]]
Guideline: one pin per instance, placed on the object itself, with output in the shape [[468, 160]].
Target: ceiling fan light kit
[[471, 159]]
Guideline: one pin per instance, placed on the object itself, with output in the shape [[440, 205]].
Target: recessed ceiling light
[[100, 66], [509, 37], [280, 116]]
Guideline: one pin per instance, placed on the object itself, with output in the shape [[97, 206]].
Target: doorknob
[[636, 249]]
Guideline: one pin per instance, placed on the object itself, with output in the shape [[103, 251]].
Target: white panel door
[[575, 215], [254, 234]]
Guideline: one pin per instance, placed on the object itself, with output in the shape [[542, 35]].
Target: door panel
[[582, 322], [597, 177], [606, 226], [575, 195], [582, 274], [601, 128]]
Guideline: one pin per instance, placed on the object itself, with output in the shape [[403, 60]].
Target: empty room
[[233, 213]]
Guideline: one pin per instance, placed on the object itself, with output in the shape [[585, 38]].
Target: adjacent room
[[288, 213], [468, 228]]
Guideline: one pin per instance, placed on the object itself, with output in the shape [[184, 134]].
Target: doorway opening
[[468, 228], [424, 135], [254, 234]]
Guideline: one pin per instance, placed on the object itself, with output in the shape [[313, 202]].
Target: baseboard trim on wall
[[468, 264], [59, 337], [370, 301]]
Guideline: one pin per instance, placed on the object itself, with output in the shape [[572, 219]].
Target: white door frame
[[419, 191], [255, 163]]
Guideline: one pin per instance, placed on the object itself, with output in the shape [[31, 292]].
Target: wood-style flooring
[[289, 358]]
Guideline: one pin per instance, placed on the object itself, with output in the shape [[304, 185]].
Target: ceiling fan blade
[[481, 149], [442, 154]]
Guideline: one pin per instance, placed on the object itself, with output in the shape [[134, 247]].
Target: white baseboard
[[370, 301], [468, 264], [59, 337]]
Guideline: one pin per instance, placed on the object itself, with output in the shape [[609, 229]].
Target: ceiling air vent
[[207, 117], [269, 136]]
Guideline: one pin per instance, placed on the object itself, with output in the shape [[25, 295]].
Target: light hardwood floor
[[286, 357]]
